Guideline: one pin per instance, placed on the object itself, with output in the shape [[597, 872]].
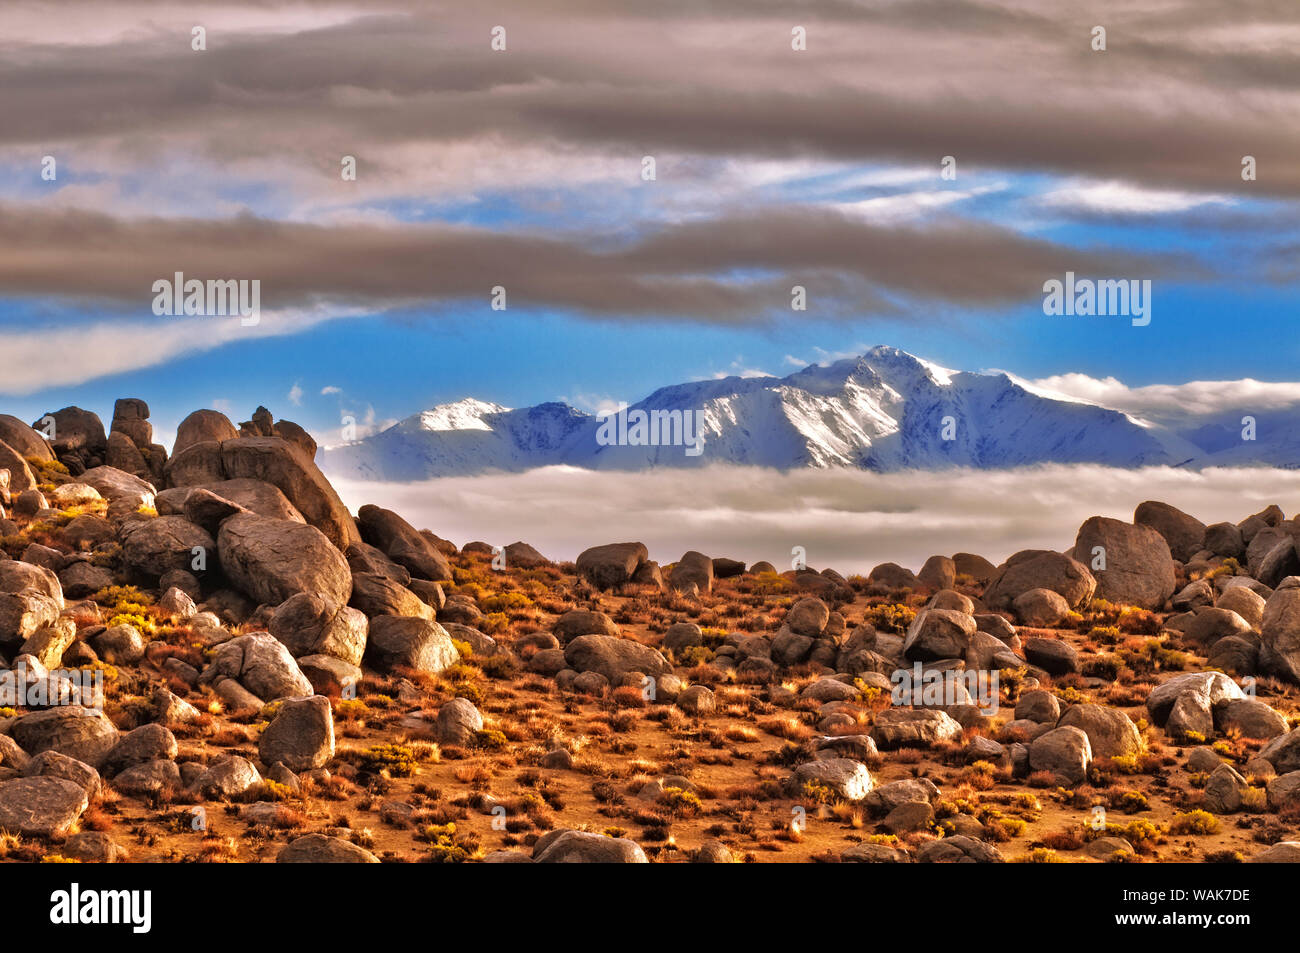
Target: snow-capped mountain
[[884, 411]]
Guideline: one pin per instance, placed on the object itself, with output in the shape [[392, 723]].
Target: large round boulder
[[1209, 624], [847, 779], [582, 847], [938, 634], [409, 642], [262, 664], [21, 478], [1217, 688], [614, 657], [1040, 569], [82, 733], [323, 849], [1280, 631], [1184, 534], [375, 595], [577, 622], [611, 565], [119, 487], [312, 624], [41, 806], [1139, 569], [288, 467], [1111, 733], [402, 543], [202, 426], [79, 440], [271, 560], [155, 547], [693, 569], [300, 736], [24, 440], [1065, 752]]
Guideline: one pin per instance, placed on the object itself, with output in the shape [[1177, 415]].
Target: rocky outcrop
[[271, 460]]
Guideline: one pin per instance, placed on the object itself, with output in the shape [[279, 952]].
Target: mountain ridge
[[885, 410]]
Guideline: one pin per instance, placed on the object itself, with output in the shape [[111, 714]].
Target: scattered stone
[[848, 779], [900, 728], [614, 658], [580, 847], [41, 806], [611, 565], [1111, 733], [1054, 656], [261, 664], [1065, 752], [459, 723], [320, 849], [409, 642]]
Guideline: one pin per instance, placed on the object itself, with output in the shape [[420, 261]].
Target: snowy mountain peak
[[464, 414], [884, 410]]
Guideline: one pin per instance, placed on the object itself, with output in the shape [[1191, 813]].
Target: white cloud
[[87, 352], [295, 395], [1125, 198], [330, 389], [888, 209], [596, 404], [1166, 401], [846, 519], [739, 368], [364, 423], [825, 357]]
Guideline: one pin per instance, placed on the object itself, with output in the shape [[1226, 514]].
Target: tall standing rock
[[130, 441]]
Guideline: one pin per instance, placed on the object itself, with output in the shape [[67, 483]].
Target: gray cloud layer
[[1185, 89], [680, 270]]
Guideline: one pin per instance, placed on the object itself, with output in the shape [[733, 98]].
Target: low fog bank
[[846, 519]]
